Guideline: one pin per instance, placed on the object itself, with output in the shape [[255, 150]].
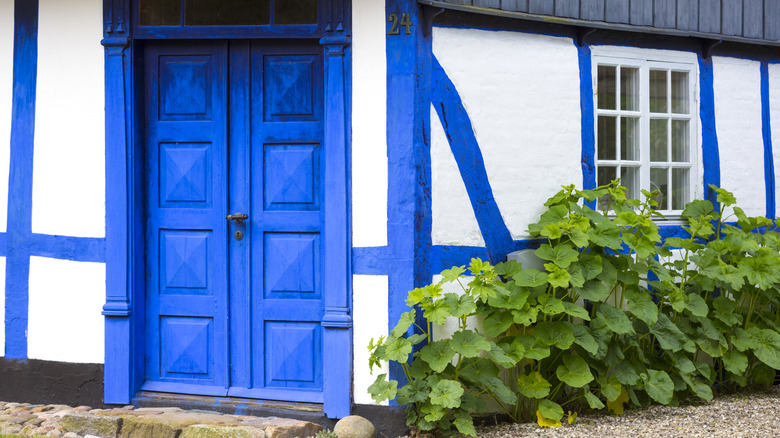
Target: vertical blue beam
[[588, 132], [408, 152], [766, 129], [709, 134], [17, 269]]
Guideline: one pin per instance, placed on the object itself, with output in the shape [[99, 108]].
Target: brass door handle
[[238, 217]]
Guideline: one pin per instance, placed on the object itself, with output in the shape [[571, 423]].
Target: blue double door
[[234, 306]]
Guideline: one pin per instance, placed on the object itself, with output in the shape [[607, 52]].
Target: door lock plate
[[239, 235]]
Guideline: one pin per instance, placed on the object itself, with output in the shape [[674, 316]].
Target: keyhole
[[239, 235]]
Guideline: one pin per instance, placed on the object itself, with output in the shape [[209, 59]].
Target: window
[[646, 127], [227, 12]]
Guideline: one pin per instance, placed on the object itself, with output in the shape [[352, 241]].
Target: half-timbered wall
[[6, 87]]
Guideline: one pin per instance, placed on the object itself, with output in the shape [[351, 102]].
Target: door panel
[[232, 316], [186, 122]]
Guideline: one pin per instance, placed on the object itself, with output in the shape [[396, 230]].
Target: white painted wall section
[[774, 113], [69, 178], [66, 299], [2, 306], [369, 124], [6, 93], [737, 86], [369, 304], [522, 94], [454, 222]]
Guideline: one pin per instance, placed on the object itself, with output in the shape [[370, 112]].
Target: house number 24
[[395, 25]]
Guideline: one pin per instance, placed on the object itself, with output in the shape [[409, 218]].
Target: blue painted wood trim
[[709, 147], [766, 129], [464, 146], [19, 222], [337, 321], [372, 260], [408, 152], [588, 132], [78, 249]]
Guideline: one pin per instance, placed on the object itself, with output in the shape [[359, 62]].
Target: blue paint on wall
[[709, 148], [588, 132], [371, 260], [17, 268], [766, 129], [464, 146]]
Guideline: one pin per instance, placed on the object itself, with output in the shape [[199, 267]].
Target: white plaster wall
[[774, 113], [454, 222], [522, 94], [369, 304], [369, 124], [2, 306], [69, 179], [6, 88], [66, 299], [737, 86]]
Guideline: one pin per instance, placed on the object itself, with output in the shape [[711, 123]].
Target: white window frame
[[646, 59]]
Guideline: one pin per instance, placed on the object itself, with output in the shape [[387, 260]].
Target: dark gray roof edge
[[598, 24]]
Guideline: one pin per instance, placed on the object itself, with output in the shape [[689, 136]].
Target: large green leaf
[[436, 312], [464, 423], [558, 277], [562, 255], [382, 389], [735, 362], [743, 341], [406, 321], [584, 339], [502, 357], [557, 333], [642, 306], [606, 234], [535, 348], [626, 374], [616, 319], [551, 410], [447, 393], [460, 305], [530, 278], [610, 388], [468, 343], [452, 274], [697, 208], [591, 265], [550, 305], [576, 311], [500, 390], [497, 322], [477, 370], [514, 298], [438, 354], [593, 401], [696, 305], [415, 391], [724, 310], [659, 386], [760, 271], [669, 336], [398, 350], [525, 316], [533, 385], [701, 389], [593, 290], [767, 346], [574, 372]]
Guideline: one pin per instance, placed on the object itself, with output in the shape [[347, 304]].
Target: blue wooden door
[[235, 307]]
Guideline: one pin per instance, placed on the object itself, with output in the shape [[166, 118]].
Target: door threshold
[[233, 405]]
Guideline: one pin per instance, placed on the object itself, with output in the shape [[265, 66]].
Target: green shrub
[[616, 318]]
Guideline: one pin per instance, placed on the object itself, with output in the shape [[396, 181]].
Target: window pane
[[629, 178], [606, 175], [629, 89], [659, 181], [658, 140], [227, 13], [680, 92], [606, 92], [680, 141], [629, 138], [680, 188], [658, 91], [607, 140], [295, 12], [160, 12]]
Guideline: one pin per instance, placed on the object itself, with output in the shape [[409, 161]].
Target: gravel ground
[[734, 416]]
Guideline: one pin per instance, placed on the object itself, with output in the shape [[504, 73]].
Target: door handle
[[238, 217]]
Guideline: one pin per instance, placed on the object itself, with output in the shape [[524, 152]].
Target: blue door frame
[[125, 216]]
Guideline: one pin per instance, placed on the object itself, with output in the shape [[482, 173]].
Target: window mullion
[[644, 122]]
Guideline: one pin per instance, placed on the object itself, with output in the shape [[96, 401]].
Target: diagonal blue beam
[[460, 134], [17, 267]]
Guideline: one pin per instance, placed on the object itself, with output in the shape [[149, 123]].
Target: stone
[[83, 424], [12, 429], [34, 422], [300, 429], [40, 409], [354, 426], [55, 433], [143, 427], [214, 431], [83, 408], [71, 435]]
